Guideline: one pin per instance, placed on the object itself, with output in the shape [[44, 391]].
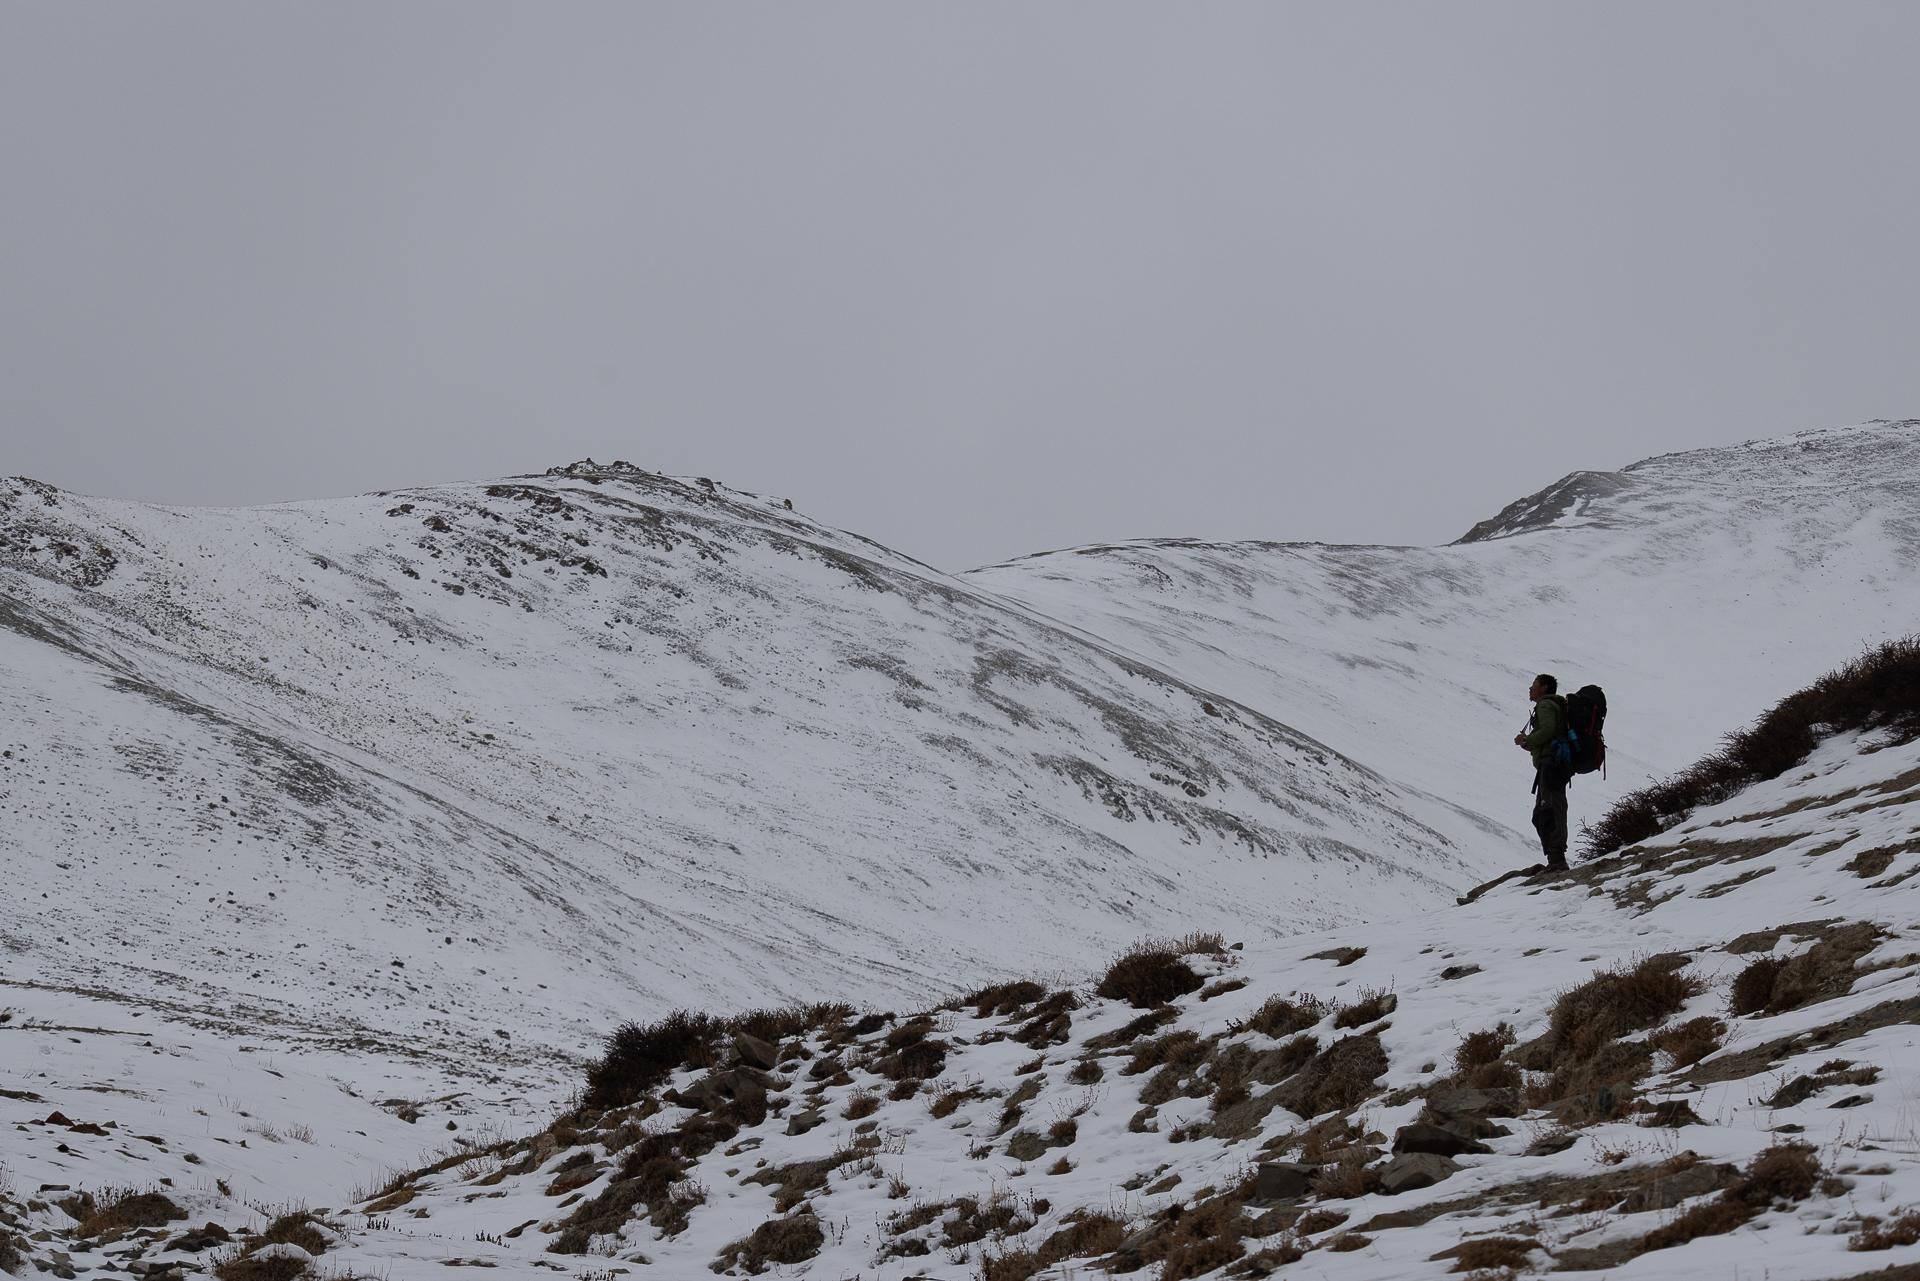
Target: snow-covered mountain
[[1693, 587], [1693, 1059], [538, 754]]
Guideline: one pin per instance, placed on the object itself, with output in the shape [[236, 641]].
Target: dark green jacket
[[1549, 723]]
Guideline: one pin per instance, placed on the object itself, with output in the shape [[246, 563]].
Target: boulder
[[1281, 1181], [1411, 1170], [1437, 1139], [754, 1052]]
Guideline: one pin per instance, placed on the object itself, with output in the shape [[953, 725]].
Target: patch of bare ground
[[784, 1241], [1773, 985]]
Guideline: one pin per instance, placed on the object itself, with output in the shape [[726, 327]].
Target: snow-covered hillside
[[1694, 1059], [1693, 587], [540, 754]]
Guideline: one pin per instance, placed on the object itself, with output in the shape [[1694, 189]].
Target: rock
[[1421, 1137], [1461, 1100], [202, 1238], [1281, 1180], [1669, 1190], [1551, 1142], [754, 1052], [1412, 1170]]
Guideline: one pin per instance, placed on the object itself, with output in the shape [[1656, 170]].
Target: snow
[[298, 839]]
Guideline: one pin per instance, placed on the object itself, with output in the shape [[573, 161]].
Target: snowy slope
[[1049, 1119], [534, 755], [1693, 587]]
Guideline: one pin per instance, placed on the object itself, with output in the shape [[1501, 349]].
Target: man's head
[[1543, 685]]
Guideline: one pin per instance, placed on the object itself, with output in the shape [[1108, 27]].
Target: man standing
[[1547, 726]]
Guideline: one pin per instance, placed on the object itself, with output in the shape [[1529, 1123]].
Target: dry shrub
[[1615, 1002], [1374, 1004], [1691, 1041], [1491, 1252], [1785, 1172], [1708, 1219], [124, 1210], [300, 1228], [1753, 986], [1880, 689], [1003, 998], [1182, 1050], [1199, 1240], [639, 1058], [1086, 1072], [1337, 1079], [1283, 1016], [248, 1268], [1147, 974], [1877, 1234], [790, 1240], [1151, 1021], [1086, 1236]]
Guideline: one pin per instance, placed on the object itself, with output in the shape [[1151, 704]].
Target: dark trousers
[[1550, 817]]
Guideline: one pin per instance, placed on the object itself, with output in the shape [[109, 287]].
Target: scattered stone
[[1281, 1181]]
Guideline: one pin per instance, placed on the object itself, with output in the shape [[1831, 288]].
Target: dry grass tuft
[[1691, 1041], [786, 1241], [1374, 1004], [1282, 1016]]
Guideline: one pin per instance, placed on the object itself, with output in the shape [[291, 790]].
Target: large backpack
[[1586, 725]]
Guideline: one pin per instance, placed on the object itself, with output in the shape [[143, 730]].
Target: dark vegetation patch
[[1088, 1235], [121, 1211], [784, 1241], [1282, 1016], [1885, 1234], [1147, 974], [1374, 1004], [1592, 1069], [1880, 689], [1691, 1041]]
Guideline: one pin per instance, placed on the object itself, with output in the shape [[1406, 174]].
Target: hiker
[[1545, 728]]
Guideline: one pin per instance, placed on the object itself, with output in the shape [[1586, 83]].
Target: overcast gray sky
[[974, 279]]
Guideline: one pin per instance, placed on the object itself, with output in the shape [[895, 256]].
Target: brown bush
[[1881, 688], [1148, 974], [1283, 1016], [1337, 1079], [125, 1210], [1374, 1004], [300, 1228], [1877, 1234], [1615, 1002], [1691, 1041], [1708, 1219], [639, 1058], [1003, 998], [1492, 1253], [1785, 1172], [790, 1240], [248, 1268]]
